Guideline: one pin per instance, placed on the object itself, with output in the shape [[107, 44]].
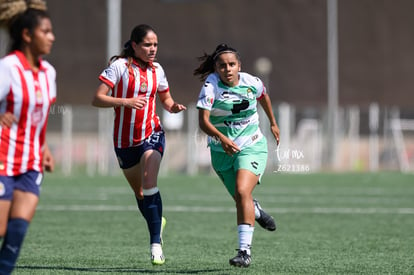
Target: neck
[[141, 63], [32, 59]]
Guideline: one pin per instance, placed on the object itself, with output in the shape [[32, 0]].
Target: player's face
[[146, 50], [41, 41], [228, 67]]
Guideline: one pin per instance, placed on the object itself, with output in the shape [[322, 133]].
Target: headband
[[228, 50]]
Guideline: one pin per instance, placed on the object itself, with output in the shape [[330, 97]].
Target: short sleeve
[[5, 80], [260, 88], [207, 95], [52, 91], [112, 74], [163, 82]]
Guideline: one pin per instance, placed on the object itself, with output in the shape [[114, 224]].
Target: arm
[[267, 107], [169, 104], [48, 161], [204, 122], [102, 99]]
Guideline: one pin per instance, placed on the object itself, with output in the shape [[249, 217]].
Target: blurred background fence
[[369, 139], [339, 74]]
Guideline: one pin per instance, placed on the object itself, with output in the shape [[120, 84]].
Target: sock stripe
[[150, 192]]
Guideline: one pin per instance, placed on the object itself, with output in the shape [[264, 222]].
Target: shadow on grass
[[116, 270]]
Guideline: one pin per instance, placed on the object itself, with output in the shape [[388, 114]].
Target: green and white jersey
[[233, 110]]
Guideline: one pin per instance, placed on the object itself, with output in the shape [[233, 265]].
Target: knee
[[242, 192]]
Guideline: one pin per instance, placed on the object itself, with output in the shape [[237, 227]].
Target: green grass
[[327, 224]]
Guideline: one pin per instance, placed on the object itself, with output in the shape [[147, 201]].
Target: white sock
[[245, 237], [150, 192], [156, 249]]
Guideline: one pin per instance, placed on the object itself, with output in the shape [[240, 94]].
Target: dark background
[[376, 46]]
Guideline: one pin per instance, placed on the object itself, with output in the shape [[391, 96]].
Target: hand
[[176, 108], [7, 119], [135, 102], [276, 132], [229, 147], [48, 161]]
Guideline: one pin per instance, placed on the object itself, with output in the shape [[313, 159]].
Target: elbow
[[94, 102], [97, 101]]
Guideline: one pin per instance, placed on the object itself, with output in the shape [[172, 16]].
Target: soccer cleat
[[157, 257], [242, 259], [265, 220], [163, 223]]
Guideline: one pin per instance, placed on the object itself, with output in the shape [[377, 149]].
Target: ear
[[26, 36], [133, 45]]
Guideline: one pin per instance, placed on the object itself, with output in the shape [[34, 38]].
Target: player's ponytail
[[137, 36]]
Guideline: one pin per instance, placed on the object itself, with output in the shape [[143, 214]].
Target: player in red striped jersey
[[27, 89], [130, 84]]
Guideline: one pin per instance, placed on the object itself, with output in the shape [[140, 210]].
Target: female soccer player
[[228, 115], [129, 85], [27, 89]]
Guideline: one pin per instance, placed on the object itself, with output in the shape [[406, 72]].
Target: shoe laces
[[242, 253]]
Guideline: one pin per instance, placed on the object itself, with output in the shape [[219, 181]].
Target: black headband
[[223, 51]]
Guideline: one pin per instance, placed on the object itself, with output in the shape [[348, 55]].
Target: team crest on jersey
[[39, 97], [143, 88], [2, 189], [250, 93], [2, 165]]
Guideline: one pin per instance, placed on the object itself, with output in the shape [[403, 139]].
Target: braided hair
[[208, 60], [11, 8], [18, 15]]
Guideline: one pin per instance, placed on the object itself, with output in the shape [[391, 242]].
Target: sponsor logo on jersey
[[229, 123]]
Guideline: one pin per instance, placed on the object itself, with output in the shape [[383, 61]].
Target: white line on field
[[210, 209]]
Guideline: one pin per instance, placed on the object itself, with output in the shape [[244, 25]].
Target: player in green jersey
[[228, 115]]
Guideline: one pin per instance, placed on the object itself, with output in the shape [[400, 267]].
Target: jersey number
[[240, 106]]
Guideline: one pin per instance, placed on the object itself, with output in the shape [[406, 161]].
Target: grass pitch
[[327, 224]]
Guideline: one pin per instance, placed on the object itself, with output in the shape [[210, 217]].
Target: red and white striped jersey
[[28, 95], [132, 126]]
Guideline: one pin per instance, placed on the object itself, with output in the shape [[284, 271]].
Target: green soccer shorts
[[252, 158]]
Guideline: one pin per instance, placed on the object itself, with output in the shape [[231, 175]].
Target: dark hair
[[208, 60], [137, 35], [29, 19]]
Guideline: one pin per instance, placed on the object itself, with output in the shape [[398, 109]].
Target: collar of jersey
[[23, 60], [149, 65]]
